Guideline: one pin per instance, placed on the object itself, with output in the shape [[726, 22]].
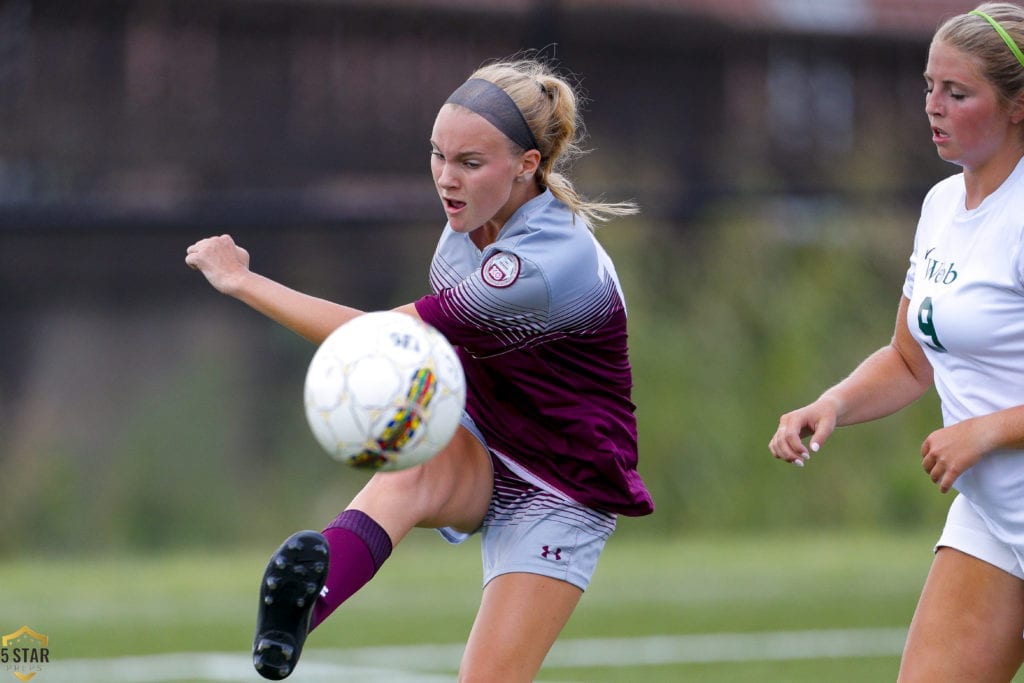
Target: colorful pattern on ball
[[403, 425]]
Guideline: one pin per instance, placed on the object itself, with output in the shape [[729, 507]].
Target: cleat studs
[[291, 582]]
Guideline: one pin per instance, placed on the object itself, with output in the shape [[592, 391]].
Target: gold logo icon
[[24, 653]]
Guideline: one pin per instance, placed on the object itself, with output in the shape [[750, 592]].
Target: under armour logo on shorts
[[549, 553]]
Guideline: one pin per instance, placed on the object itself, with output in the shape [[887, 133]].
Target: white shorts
[[533, 529], [967, 532]]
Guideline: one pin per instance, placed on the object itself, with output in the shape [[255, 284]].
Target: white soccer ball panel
[[375, 382]]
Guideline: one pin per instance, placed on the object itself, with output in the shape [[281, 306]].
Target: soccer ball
[[385, 391]]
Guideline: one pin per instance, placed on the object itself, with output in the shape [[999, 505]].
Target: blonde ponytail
[[550, 106]]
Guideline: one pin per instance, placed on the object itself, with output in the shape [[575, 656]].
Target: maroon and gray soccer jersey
[[539, 321]]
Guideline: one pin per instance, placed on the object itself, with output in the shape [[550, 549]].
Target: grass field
[[827, 607]]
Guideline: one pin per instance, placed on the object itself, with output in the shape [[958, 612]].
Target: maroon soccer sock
[[358, 547]]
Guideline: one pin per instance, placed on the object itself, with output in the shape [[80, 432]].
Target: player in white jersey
[[960, 326], [546, 457]]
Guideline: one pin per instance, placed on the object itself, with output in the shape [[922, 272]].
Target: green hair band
[[1002, 34]]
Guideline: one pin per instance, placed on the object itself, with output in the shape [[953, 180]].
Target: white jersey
[[966, 289]]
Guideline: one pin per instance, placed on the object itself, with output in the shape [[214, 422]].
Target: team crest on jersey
[[501, 269]]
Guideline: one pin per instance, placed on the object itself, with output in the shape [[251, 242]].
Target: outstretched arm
[[226, 267], [886, 381]]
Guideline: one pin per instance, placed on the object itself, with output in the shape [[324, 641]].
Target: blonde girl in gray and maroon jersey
[[960, 328], [546, 456]]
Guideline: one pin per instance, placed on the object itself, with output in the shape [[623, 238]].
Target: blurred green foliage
[[748, 313], [754, 316]]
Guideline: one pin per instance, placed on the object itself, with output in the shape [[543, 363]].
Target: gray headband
[[494, 104]]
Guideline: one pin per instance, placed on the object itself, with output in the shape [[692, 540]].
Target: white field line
[[433, 663]]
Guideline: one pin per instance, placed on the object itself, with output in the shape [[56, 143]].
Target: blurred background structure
[[778, 148]]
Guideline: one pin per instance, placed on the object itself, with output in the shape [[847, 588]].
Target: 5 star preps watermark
[[24, 653]]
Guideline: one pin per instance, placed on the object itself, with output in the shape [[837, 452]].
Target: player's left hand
[[949, 452]]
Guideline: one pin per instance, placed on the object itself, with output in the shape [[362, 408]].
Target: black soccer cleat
[[291, 584]]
